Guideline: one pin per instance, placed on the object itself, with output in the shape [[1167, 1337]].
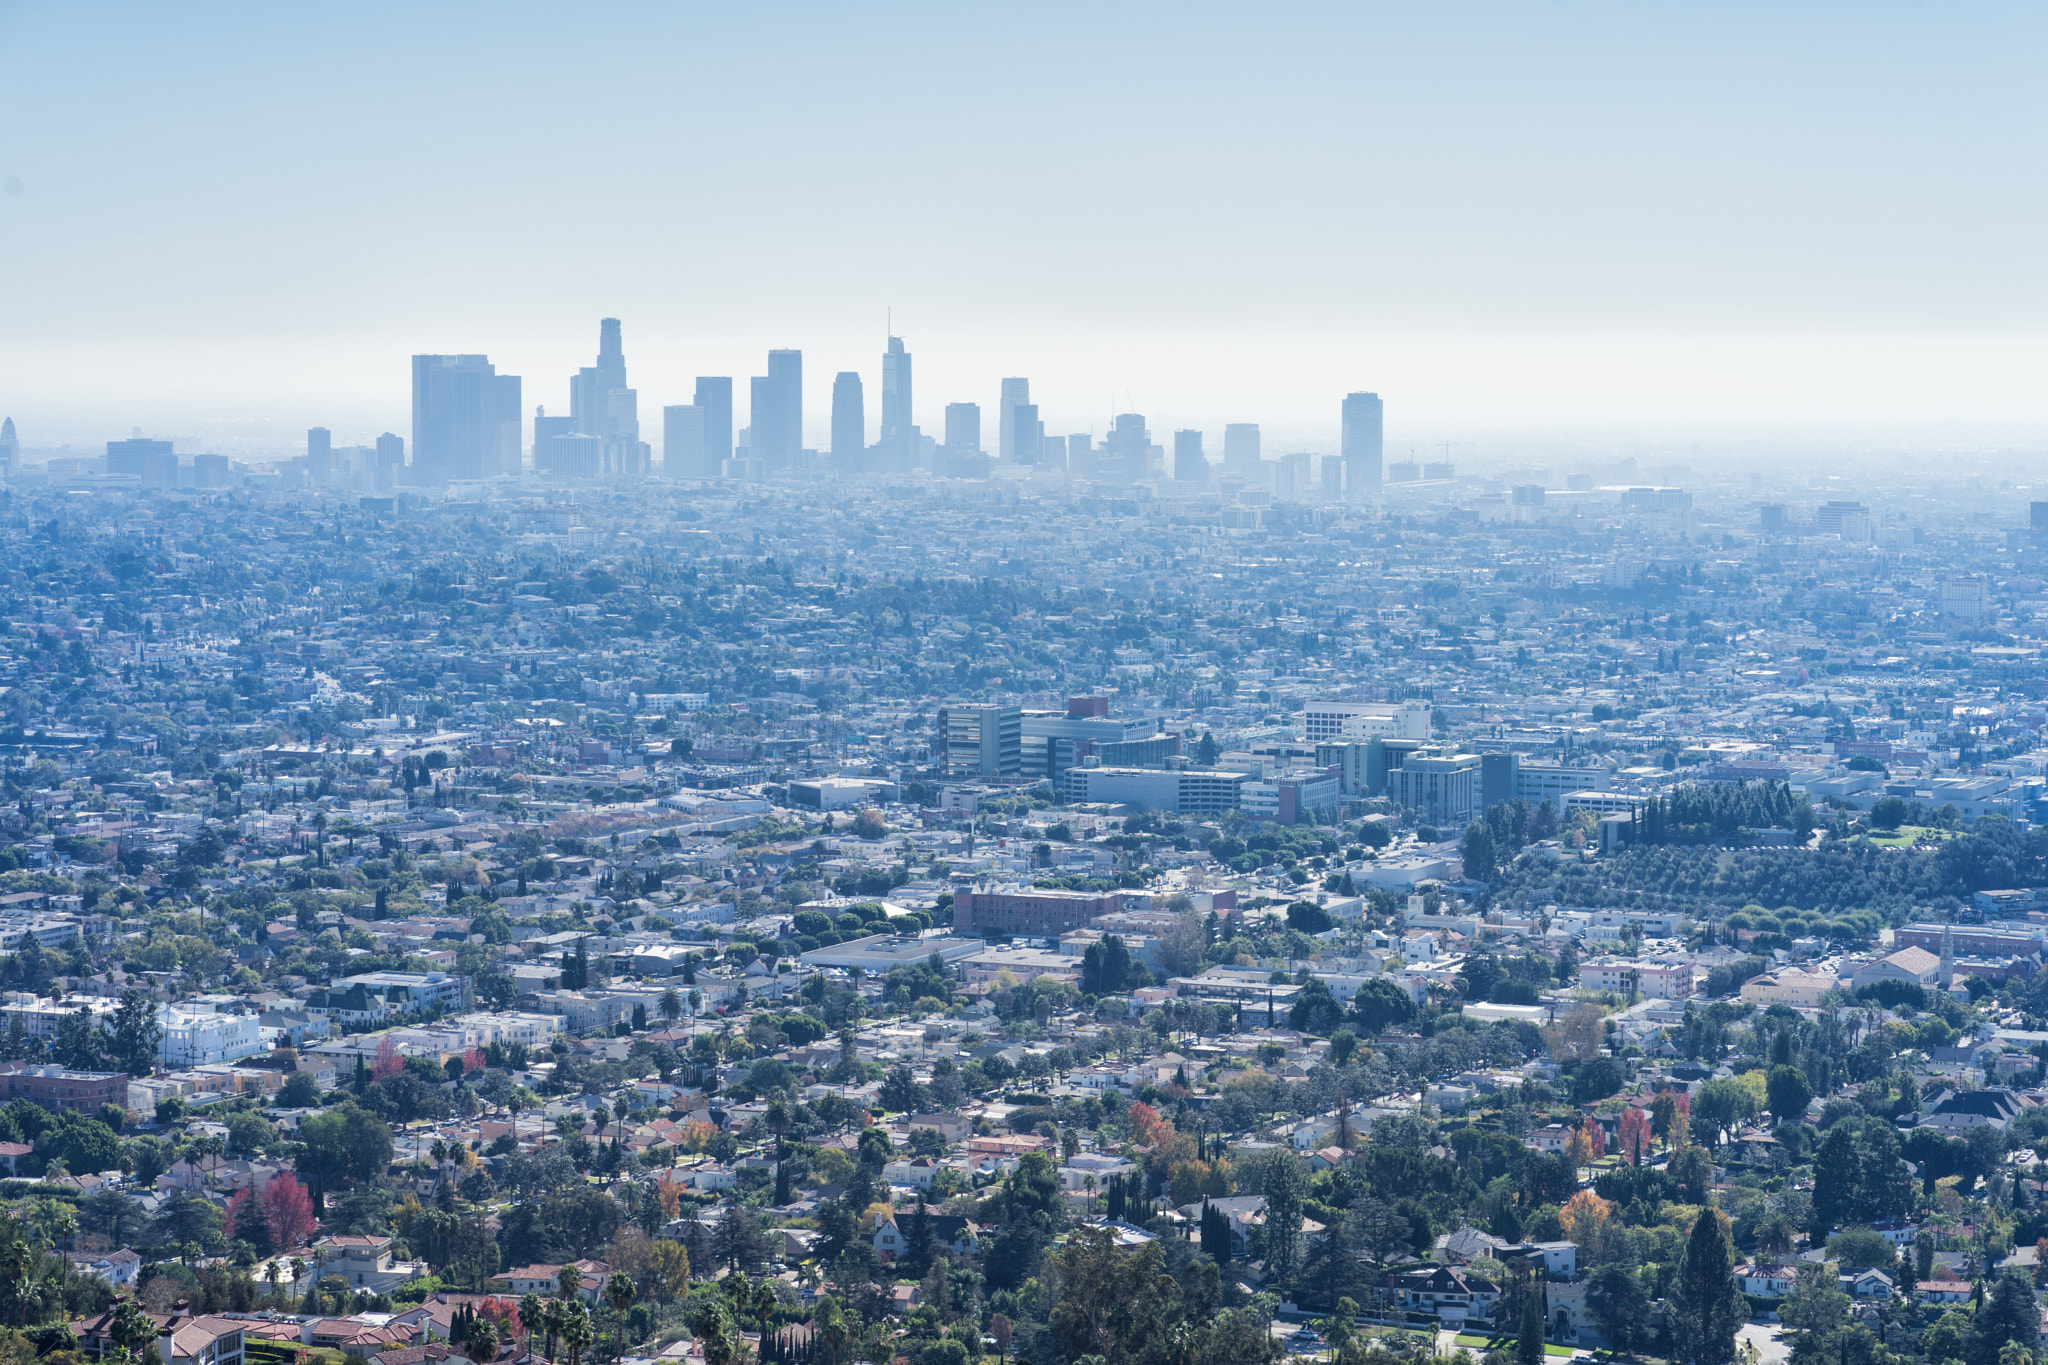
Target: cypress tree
[[1706, 1306], [1529, 1340]]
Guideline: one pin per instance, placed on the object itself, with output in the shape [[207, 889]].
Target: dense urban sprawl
[[959, 910]]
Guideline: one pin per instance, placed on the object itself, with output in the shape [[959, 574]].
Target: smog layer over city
[[938, 685]]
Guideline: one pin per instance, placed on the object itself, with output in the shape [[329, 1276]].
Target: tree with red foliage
[[474, 1062], [388, 1062], [1634, 1137], [287, 1212], [504, 1312]]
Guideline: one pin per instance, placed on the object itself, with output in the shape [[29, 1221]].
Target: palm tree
[[577, 1330], [483, 1340], [833, 1331], [16, 1260], [671, 1005], [778, 1122], [619, 1292], [715, 1330], [551, 1318], [532, 1316]]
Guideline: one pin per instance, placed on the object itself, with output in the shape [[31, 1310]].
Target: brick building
[[1030, 912], [64, 1091]]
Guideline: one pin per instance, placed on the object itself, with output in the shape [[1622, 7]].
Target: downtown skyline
[[1629, 226]]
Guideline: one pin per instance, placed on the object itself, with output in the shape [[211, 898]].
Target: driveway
[[1768, 1340]]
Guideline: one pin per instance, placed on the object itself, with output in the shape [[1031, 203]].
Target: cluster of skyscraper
[[466, 425]]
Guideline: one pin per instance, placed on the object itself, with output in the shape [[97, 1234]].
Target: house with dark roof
[[1447, 1292]]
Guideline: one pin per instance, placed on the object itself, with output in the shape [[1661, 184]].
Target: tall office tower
[[898, 423], [1025, 431], [390, 461], [963, 428], [1126, 451], [1081, 454], [1333, 478], [601, 404], [775, 423], [465, 419], [505, 422], [1294, 473], [546, 433], [1241, 448], [850, 420], [1363, 445], [1015, 392], [714, 396], [319, 454], [1190, 465], [2037, 512], [682, 442], [10, 446]]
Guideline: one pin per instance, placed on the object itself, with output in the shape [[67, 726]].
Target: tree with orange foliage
[[1586, 1219], [670, 1192], [1146, 1125], [1596, 1138]]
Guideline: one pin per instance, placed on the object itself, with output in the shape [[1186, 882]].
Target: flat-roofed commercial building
[[981, 741], [1030, 911], [1184, 791], [1443, 787]]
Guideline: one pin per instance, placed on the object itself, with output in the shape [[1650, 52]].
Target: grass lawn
[[1507, 1344], [1905, 836]]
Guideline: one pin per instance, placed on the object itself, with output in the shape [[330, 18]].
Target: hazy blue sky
[[1645, 217]]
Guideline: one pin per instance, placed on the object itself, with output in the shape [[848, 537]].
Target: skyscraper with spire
[[602, 405], [10, 447], [899, 428]]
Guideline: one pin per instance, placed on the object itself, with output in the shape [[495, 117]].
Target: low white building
[[200, 1038], [1655, 980]]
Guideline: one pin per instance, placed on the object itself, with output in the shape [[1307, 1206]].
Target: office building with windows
[[466, 419], [982, 741], [849, 422], [1364, 445]]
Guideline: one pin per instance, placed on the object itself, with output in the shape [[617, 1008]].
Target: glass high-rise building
[[1015, 393], [714, 399], [1364, 445], [898, 425], [1241, 447], [466, 419], [963, 428], [776, 422], [849, 422], [682, 442]]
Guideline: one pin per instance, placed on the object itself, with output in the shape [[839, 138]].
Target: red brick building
[[1032, 913], [61, 1090]]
